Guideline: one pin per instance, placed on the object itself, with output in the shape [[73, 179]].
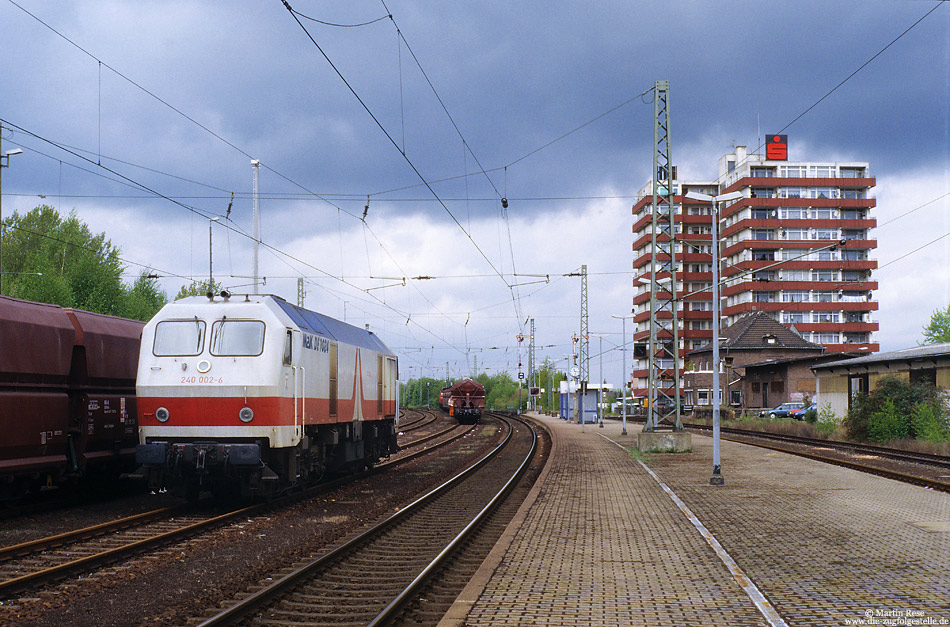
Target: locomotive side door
[[294, 378]]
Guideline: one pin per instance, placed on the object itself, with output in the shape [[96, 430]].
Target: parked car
[[784, 410], [799, 414]]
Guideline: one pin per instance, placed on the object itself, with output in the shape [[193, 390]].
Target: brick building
[[762, 363]]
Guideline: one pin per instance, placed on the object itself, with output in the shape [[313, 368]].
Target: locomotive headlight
[[246, 414], [161, 414]]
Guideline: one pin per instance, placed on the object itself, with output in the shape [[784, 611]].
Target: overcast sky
[[174, 99]]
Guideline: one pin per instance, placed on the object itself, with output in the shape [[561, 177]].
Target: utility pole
[[257, 221]]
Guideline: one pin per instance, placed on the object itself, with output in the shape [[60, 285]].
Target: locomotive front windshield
[[234, 338], [179, 337]]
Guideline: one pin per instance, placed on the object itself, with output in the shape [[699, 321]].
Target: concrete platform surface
[[610, 537]]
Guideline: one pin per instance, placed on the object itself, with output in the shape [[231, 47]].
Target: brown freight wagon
[[466, 401], [67, 395]]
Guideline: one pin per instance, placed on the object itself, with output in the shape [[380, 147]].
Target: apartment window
[[767, 275], [855, 297], [795, 296], [851, 173], [824, 275], [824, 337], [763, 192], [854, 316], [853, 275], [853, 234], [763, 234], [795, 275], [826, 234], [762, 172], [703, 305], [824, 214], [700, 230], [822, 171], [824, 192], [825, 297], [795, 213], [853, 214], [827, 255], [852, 193], [700, 325], [794, 171], [759, 213], [793, 317], [763, 297], [799, 234], [763, 255], [825, 316], [793, 192], [794, 253], [854, 255], [700, 211]]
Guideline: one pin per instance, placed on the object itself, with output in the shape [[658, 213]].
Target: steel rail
[[49, 542], [406, 595], [258, 600], [125, 549]]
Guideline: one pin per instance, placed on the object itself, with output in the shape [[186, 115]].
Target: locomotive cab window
[[179, 338], [237, 338]]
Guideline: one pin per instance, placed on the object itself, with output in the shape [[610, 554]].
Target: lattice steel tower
[[664, 371], [585, 336], [532, 374]]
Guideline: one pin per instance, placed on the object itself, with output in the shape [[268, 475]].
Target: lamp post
[[717, 478], [4, 163]]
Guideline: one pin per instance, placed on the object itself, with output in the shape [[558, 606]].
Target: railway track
[[26, 566], [369, 579], [923, 469]]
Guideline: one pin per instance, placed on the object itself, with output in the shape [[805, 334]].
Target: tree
[[198, 288], [52, 259], [938, 330]]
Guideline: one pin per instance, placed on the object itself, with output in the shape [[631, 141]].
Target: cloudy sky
[[143, 118]]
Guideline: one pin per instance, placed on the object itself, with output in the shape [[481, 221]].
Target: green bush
[[826, 423], [929, 422], [888, 423], [811, 415], [903, 397]]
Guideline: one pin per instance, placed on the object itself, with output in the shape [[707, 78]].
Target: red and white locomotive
[[253, 393]]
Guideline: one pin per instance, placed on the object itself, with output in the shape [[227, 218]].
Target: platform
[[608, 537]]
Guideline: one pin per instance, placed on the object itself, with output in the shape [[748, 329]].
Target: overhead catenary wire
[[390, 138]]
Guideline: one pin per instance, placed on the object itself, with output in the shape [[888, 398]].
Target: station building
[[797, 245]]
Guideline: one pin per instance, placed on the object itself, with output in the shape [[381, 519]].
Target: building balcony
[[777, 181], [777, 285], [749, 307]]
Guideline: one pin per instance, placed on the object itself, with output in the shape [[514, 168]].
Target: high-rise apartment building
[[796, 245]]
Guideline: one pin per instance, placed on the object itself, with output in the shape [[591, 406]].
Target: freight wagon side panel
[[25, 326], [111, 345], [34, 431]]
